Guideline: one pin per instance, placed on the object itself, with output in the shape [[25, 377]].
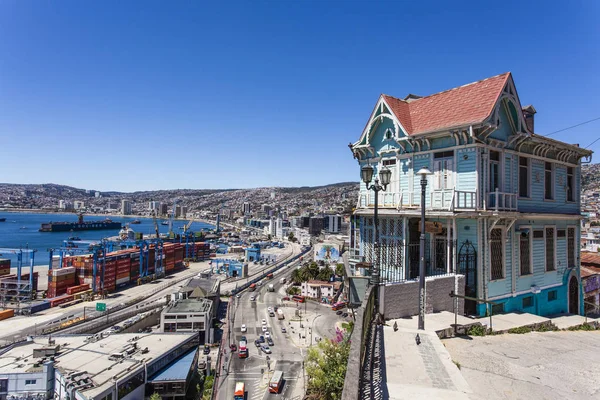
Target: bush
[[477, 330]]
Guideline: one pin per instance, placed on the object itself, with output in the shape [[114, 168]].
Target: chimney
[[528, 112]]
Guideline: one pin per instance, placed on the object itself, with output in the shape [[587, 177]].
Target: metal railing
[[440, 199], [490, 310]]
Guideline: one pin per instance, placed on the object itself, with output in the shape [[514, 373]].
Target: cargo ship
[[80, 225]]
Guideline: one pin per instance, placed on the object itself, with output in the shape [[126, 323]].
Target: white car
[[264, 321], [264, 328], [267, 334], [269, 309], [252, 298], [244, 328]]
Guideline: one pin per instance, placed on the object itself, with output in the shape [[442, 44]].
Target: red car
[[233, 347], [286, 298]]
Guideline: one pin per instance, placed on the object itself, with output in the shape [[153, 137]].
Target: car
[[345, 314], [233, 347], [257, 343], [252, 298], [206, 350], [244, 329], [275, 308], [238, 295], [271, 314], [261, 339], [243, 339], [286, 298], [270, 309], [115, 328], [264, 328], [270, 341], [259, 283], [266, 349], [339, 312], [264, 321], [283, 330], [267, 334]]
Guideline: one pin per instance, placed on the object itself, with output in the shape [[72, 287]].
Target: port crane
[[172, 217], [19, 253], [98, 250]]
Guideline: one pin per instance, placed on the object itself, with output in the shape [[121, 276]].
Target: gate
[[467, 266]]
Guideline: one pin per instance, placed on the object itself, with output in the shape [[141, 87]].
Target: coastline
[[132, 216]]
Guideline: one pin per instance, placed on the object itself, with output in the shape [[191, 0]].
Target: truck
[[282, 281], [240, 391], [271, 288], [280, 314], [243, 349], [252, 287]]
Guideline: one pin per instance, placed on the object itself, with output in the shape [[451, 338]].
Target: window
[[170, 316], [549, 181], [497, 308], [524, 177], [570, 185], [550, 245], [538, 234], [30, 381], [571, 247], [387, 163], [552, 295], [497, 254], [199, 325], [494, 181], [169, 328], [182, 317], [525, 253], [561, 233], [442, 170], [527, 301], [184, 325]]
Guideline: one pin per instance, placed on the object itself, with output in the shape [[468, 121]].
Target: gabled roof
[[465, 105]]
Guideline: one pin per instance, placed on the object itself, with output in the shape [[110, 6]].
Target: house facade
[[502, 203]]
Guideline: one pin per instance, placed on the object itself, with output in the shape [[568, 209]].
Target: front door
[[573, 296], [467, 266]]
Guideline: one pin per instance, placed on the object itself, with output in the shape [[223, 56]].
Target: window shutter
[[437, 166], [449, 173]]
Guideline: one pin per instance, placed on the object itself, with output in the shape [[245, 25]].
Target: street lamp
[[423, 172], [385, 175]]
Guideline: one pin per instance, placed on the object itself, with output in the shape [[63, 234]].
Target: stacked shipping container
[[59, 280], [4, 266]]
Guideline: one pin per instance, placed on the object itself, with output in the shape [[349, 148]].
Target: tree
[[340, 270], [293, 290], [324, 274], [326, 368], [296, 277], [155, 396], [291, 237]]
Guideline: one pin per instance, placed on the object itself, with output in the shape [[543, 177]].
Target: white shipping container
[[122, 280], [63, 271]]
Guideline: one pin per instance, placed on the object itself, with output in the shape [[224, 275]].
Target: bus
[[252, 287], [270, 276], [240, 391], [243, 350], [298, 298], [275, 382], [338, 306]]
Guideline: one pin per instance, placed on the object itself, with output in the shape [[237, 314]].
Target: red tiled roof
[[321, 283], [464, 105], [590, 259], [589, 271]]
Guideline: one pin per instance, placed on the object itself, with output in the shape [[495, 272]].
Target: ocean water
[[21, 231]]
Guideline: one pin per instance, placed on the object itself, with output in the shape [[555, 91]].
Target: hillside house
[[502, 204]]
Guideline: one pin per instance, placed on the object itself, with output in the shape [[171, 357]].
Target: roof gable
[[465, 105]]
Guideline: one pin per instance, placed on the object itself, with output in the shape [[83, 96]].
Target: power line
[[574, 126], [591, 143]]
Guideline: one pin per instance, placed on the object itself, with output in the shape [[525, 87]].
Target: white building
[[318, 289], [126, 207], [189, 315], [154, 206], [65, 205], [334, 223], [246, 208], [97, 194], [272, 229], [590, 242], [78, 205]]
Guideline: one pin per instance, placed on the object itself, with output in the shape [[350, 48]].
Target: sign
[[432, 227], [100, 306]]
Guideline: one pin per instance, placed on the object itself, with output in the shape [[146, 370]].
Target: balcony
[[441, 200], [501, 201]]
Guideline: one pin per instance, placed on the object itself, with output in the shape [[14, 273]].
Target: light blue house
[[502, 204]]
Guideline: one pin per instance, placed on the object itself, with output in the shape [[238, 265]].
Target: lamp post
[[385, 175], [423, 172]]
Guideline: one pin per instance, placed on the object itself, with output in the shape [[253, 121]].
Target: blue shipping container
[[40, 307]]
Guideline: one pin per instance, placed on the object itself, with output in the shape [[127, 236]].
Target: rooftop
[[206, 284], [177, 370], [77, 354], [320, 283], [189, 305]]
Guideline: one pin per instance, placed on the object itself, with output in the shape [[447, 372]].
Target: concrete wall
[[402, 300]]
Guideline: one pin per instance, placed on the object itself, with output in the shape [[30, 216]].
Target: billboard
[[328, 252]]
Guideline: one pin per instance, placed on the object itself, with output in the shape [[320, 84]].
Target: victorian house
[[502, 203]]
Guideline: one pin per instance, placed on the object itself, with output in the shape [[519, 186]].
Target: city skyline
[[129, 97]]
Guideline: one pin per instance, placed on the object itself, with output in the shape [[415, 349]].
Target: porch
[[440, 200]]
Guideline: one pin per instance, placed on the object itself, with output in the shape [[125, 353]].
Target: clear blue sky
[[138, 95]]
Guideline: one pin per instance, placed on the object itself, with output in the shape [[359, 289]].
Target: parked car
[[286, 298], [261, 339], [252, 298], [233, 347], [243, 339], [339, 312], [266, 349], [238, 295], [257, 343], [206, 350], [244, 329], [264, 328], [270, 341], [345, 314], [264, 321], [283, 330], [267, 334]]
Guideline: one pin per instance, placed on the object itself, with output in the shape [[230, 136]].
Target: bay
[[21, 231]]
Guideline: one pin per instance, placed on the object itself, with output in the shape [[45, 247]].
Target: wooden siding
[[466, 178]]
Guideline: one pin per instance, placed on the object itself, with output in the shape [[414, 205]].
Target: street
[[289, 349]]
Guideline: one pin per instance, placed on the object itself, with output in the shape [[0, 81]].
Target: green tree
[[340, 270], [155, 396], [326, 369], [324, 274], [313, 270], [293, 290], [208, 384], [296, 276]]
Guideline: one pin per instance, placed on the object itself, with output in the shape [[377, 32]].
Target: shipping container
[[61, 300], [122, 281], [5, 314], [77, 289], [40, 307], [61, 271]]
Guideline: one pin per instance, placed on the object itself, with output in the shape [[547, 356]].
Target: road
[[289, 350]]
